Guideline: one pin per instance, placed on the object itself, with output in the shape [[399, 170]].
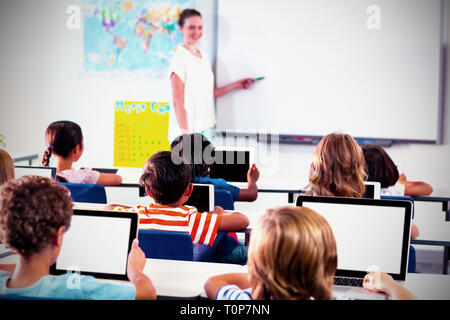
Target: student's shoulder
[[233, 292]]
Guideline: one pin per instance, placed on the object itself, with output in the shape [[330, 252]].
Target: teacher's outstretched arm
[[178, 102], [239, 84]]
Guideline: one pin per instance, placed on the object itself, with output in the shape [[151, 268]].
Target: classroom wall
[[42, 81]]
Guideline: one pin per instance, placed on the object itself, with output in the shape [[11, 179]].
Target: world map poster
[[131, 36]]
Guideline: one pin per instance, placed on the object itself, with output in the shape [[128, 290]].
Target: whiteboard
[[367, 68]]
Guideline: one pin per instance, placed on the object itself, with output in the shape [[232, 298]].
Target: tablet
[[202, 197], [97, 243]]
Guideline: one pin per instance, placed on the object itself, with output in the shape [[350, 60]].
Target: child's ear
[[188, 190], [59, 236], [149, 194]]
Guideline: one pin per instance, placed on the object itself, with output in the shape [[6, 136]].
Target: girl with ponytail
[[65, 142]]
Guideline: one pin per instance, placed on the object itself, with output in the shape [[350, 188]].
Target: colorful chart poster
[[140, 130], [131, 36]]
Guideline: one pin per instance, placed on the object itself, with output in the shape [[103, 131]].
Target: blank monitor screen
[[367, 233], [97, 243], [231, 165], [20, 171]]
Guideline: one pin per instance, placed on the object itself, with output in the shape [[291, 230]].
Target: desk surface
[[171, 282], [184, 279]]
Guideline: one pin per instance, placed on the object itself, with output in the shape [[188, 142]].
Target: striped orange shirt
[[201, 226]]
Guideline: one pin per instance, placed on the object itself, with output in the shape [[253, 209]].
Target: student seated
[[34, 215], [292, 256], [193, 148], [6, 174], [169, 185], [337, 168], [381, 168], [6, 167], [65, 140]]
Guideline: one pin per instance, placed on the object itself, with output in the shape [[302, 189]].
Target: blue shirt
[[219, 184], [71, 286]]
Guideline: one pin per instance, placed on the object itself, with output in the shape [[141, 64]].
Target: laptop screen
[[20, 171], [231, 165], [202, 197], [369, 233], [97, 243]]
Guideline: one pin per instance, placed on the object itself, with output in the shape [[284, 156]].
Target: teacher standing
[[192, 82]]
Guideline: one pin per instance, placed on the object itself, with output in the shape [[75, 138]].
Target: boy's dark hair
[[379, 166], [62, 137], [187, 13], [192, 147], [31, 211], [165, 180]]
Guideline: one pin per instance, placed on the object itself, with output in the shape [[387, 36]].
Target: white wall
[[41, 63]]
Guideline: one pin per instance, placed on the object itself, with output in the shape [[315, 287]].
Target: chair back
[[401, 198], [92, 193], [171, 245], [224, 199]]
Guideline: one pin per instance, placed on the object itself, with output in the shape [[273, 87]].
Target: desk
[[185, 279], [444, 200], [169, 281], [441, 240], [428, 286]]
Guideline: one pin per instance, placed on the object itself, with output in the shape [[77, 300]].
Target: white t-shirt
[[397, 189], [198, 79]]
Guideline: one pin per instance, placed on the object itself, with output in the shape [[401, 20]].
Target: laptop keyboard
[[344, 281]]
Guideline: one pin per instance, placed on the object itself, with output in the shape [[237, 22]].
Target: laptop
[[232, 166], [202, 197], [104, 170], [20, 171], [373, 190], [370, 234], [97, 243]]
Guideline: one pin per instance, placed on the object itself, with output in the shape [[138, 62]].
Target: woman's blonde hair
[[6, 167], [292, 255], [337, 168]]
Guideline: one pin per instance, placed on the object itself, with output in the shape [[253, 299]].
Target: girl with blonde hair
[[292, 256], [337, 168]]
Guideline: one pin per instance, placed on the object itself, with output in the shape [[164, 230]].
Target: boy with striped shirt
[[169, 185]]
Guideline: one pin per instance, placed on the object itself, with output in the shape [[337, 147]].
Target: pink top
[[86, 175]]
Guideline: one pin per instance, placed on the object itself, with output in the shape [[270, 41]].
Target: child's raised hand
[[136, 261], [252, 174]]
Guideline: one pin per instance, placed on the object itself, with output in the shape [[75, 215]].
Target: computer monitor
[[368, 232], [97, 243], [373, 190], [20, 171], [231, 165]]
